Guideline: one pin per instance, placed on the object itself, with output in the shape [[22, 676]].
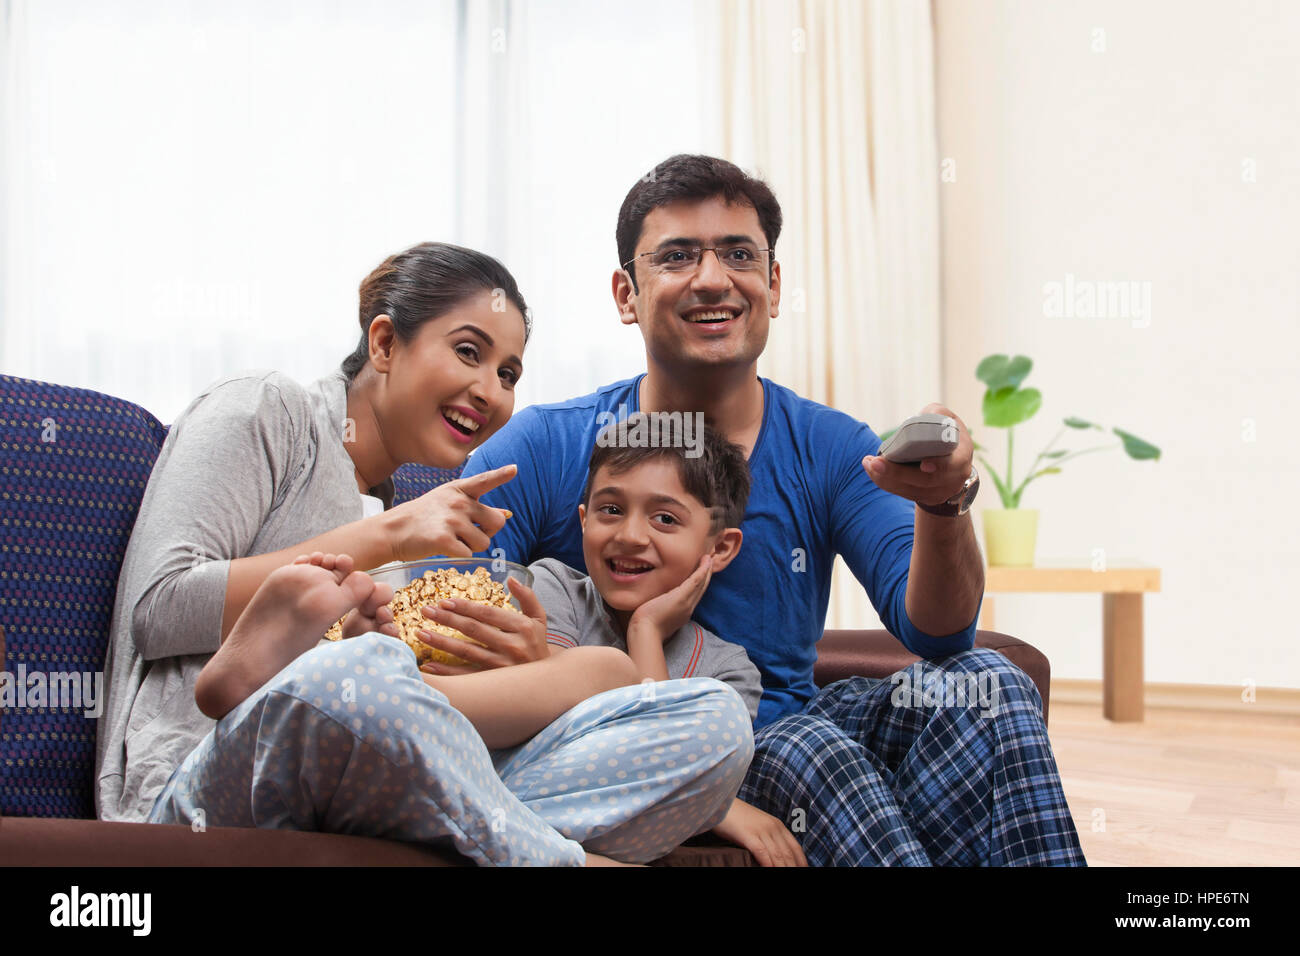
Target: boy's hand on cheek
[[667, 613]]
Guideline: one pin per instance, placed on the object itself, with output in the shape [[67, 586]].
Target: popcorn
[[433, 587]]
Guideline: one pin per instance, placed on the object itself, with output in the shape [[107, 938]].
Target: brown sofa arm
[[877, 653], [37, 841]]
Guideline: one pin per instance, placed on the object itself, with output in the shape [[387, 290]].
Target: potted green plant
[[1010, 532]]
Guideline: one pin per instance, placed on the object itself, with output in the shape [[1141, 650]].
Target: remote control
[[922, 436]]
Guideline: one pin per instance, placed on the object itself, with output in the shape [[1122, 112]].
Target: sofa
[[73, 468]]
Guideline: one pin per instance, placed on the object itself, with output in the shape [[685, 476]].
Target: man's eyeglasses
[[735, 257]]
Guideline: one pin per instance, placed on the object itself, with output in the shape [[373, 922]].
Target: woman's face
[[453, 384]]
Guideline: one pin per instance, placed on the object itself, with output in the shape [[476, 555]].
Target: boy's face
[[643, 534]]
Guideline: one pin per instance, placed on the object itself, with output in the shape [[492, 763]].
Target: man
[[862, 773]]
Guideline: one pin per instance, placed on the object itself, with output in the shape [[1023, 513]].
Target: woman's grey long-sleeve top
[[255, 464]]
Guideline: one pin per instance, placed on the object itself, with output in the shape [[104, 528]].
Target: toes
[[341, 564], [377, 603], [358, 586]]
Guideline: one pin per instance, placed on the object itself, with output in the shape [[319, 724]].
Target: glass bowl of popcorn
[[419, 583], [493, 569]]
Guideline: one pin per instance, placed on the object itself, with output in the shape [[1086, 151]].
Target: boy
[[656, 523]]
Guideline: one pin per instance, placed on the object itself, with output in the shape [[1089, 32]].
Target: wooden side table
[[1121, 587]]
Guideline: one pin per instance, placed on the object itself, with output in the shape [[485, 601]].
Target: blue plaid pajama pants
[[919, 769]]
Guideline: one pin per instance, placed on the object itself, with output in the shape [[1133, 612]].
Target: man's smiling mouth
[[710, 316]]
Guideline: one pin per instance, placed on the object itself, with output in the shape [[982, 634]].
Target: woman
[[258, 471]]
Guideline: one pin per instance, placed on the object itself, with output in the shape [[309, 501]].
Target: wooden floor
[[1183, 788]]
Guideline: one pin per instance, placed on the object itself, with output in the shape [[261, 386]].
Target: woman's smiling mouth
[[461, 426]]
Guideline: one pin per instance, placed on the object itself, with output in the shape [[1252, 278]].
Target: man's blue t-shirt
[[810, 499]]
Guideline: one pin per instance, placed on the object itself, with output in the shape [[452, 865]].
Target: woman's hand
[[511, 638], [761, 834], [450, 520]]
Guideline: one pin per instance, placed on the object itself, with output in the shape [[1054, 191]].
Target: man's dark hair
[[696, 178], [718, 477], [424, 283]]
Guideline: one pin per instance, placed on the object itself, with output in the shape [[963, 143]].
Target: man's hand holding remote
[[936, 479]]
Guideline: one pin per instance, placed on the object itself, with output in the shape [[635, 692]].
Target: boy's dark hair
[[423, 283], [718, 477], [693, 177]]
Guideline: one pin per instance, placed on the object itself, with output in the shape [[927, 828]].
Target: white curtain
[[193, 189], [832, 102]]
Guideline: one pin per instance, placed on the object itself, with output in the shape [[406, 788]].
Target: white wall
[[1169, 157]]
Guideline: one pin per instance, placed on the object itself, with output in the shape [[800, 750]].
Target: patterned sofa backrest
[[411, 481], [73, 468]]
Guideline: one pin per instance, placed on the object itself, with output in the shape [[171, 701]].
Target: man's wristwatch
[[959, 503]]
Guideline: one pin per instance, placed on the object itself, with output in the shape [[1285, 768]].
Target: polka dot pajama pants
[[350, 739]]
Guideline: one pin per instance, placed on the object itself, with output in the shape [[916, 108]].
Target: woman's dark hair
[[423, 283], [695, 178]]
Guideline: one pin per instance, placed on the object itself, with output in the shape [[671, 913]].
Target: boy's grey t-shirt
[[576, 615]]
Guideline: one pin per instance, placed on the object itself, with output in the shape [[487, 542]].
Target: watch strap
[[959, 503]]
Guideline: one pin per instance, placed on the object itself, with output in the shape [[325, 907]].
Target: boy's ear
[[582, 516], [726, 547]]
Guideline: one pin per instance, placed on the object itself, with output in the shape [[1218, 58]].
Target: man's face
[[709, 316]]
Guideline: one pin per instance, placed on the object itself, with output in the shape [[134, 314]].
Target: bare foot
[[288, 615], [373, 614]]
